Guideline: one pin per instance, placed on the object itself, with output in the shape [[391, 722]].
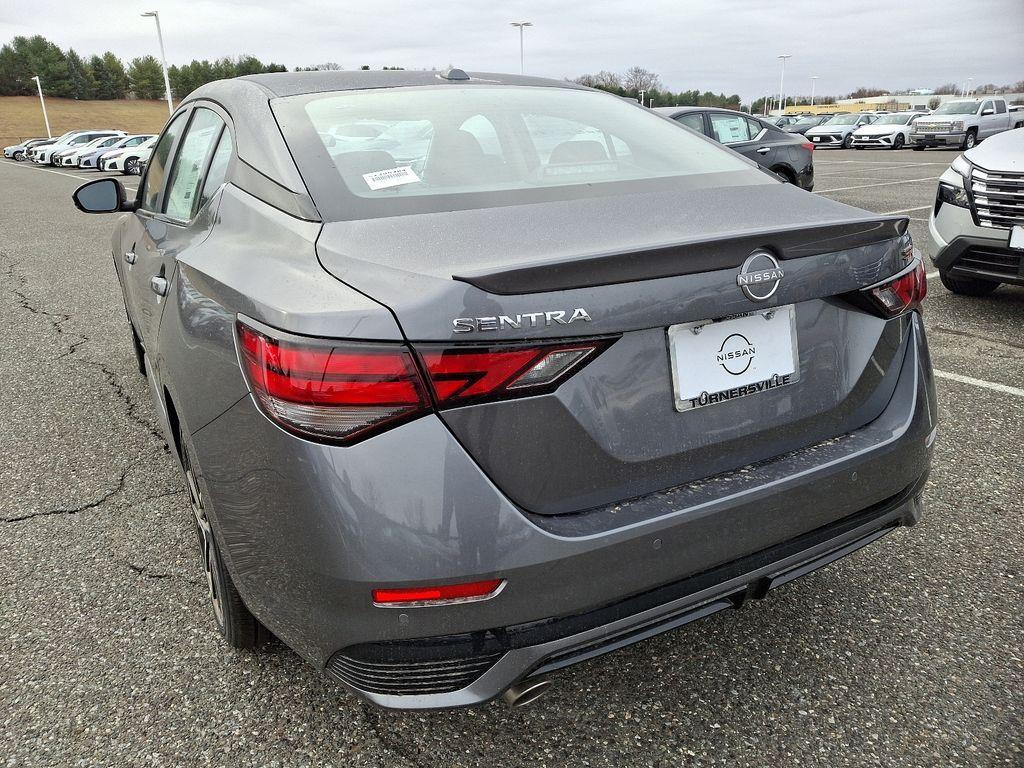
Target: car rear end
[[565, 433]]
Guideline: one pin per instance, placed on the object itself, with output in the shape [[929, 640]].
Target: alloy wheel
[[207, 549]]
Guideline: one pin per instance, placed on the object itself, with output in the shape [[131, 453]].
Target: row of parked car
[[101, 150], [956, 123]]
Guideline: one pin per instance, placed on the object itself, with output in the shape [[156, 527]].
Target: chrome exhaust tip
[[526, 692]]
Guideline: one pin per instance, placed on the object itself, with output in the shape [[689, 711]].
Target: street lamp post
[[522, 56], [813, 79], [163, 58], [42, 103], [782, 80]]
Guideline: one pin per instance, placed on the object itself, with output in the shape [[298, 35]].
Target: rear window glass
[[418, 142]]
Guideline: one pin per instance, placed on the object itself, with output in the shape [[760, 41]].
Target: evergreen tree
[[146, 78]]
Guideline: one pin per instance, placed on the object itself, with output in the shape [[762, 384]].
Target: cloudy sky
[[724, 45]]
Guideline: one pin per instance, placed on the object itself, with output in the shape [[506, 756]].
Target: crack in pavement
[[73, 510], [979, 336], [142, 570]]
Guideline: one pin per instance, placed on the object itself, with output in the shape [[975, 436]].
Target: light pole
[[522, 57], [813, 79], [642, 93], [163, 58], [782, 80], [42, 103]]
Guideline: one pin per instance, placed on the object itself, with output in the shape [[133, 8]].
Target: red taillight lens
[[808, 145], [902, 294], [462, 375], [330, 391], [448, 593]]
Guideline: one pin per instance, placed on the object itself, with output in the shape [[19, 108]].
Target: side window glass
[[218, 168], [986, 105], [1000, 107], [692, 120], [754, 127], [189, 164], [156, 169], [729, 129]]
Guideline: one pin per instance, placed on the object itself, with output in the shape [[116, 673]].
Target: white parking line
[[825, 162], [879, 184], [906, 210], [933, 273], [45, 170], [1006, 390]]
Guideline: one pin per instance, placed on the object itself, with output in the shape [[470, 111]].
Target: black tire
[[131, 166], [140, 354], [785, 174], [18, 156], [236, 624], [848, 141], [898, 142], [966, 286], [917, 148], [970, 139]]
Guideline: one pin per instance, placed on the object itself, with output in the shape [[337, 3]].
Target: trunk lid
[[636, 265]]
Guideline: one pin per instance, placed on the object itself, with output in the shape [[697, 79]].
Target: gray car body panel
[[308, 529]]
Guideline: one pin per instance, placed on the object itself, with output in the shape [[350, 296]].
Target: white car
[[977, 222], [128, 160], [889, 131], [72, 140], [92, 160], [73, 157]]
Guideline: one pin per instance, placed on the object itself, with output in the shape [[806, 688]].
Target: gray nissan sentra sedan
[[473, 377]]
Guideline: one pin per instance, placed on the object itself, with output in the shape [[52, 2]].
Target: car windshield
[[895, 119], [842, 120], [420, 142], [807, 121], [958, 108]]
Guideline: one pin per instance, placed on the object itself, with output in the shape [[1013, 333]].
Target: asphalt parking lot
[[908, 653]]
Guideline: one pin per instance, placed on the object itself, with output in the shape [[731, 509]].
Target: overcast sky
[[725, 45]]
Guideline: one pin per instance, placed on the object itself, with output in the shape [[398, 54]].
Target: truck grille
[[997, 198], [990, 261], [923, 127]]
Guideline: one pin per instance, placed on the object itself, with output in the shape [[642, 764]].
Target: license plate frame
[[699, 384]]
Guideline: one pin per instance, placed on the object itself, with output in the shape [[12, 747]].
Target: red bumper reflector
[[448, 593]]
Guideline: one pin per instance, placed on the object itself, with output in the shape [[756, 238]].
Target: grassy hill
[[21, 116]]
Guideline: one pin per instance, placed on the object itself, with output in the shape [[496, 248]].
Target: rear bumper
[[309, 530]]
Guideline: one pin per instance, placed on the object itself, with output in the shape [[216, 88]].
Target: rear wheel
[[787, 175], [917, 148], [898, 142], [970, 139], [967, 286], [234, 621], [131, 166]]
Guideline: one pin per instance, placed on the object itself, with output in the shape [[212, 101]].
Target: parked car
[[962, 123], [70, 141], [92, 159], [977, 223], [17, 151], [445, 432], [808, 121], [127, 160], [61, 141], [72, 157], [889, 131], [783, 120], [838, 131], [789, 156]]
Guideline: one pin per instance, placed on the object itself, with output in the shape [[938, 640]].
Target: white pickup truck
[[962, 123]]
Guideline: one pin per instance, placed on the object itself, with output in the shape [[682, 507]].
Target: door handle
[[158, 285], [129, 257], [763, 150]]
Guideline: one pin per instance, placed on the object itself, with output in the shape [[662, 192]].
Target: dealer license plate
[[718, 360]]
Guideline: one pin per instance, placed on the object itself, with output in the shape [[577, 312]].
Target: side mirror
[[101, 196], [987, 112]]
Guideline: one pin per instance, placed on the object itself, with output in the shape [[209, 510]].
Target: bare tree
[[640, 79]]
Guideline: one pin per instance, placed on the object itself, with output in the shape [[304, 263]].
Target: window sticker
[[390, 177]]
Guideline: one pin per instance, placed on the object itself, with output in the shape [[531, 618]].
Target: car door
[[140, 258], [1002, 120], [742, 135], [986, 119], [167, 222]]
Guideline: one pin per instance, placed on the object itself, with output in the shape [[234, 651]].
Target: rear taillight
[[331, 391], [446, 594], [808, 145], [900, 294], [462, 375], [342, 392]]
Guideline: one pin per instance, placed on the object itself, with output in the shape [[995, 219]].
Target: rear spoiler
[[684, 258]]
